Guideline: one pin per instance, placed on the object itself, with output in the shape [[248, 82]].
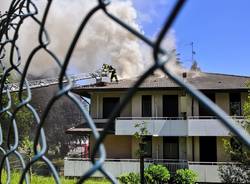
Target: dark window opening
[[109, 104], [146, 106], [147, 146], [170, 147], [235, 104], [170, 106], [203, 111], [208, 149]]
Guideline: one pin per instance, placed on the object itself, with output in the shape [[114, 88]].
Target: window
[[203, 111], [147, 146], [170, 106], [108, 105], [235, 104], [146, 106], [208, 149], [171, 147]]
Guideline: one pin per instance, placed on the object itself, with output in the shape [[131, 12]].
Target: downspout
[[193, 148], [192, 106]]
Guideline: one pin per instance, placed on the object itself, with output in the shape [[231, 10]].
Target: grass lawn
[[49, 180]]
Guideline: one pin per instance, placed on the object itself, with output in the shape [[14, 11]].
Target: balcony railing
[[175, 126], [214, 117], [75, 166], [177, 118], [207, 171], [150, 118]]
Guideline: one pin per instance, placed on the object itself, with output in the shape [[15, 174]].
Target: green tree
[[129, 178], [23, 118], [185, 176], [240, 172], [157, 174], [140, 136], [27, 147]]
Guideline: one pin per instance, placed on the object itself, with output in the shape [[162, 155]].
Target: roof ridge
[[232, 75]]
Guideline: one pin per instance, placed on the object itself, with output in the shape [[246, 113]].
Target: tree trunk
[[142, 163]]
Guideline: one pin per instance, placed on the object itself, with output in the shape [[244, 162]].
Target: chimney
[[184, 75]]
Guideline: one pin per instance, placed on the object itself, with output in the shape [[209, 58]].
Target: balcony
[[207, 171], [175, 126], [75, 167]]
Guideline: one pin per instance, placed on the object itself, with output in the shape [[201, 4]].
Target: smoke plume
[[102, 41]]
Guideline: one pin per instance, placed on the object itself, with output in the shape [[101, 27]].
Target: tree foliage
[[23, 118], [240, 171], [185, 176], [142, 131], [140, 135], [129, 178], [234, 173], [154, 174], [157, 174]]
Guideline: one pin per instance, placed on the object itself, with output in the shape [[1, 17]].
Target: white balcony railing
[[207, 171], [77, 166], [174, 126]]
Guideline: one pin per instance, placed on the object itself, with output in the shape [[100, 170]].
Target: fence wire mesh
[[10, 59]]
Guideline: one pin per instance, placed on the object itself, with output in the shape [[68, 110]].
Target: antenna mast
[[193, 52]]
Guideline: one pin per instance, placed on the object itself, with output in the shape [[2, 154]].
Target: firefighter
[[113, 73], [105, 69]]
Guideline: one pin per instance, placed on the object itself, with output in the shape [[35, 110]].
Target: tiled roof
[[202, 81]]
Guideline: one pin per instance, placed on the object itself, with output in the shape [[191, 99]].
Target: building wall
[[222, 156], [157, 102], [126, 147], [117, 147], [135, 147], [191, 102], [157, 105], [189, 147], [196, 149], [157, 147], [94, 107], [222, 100], [134, 108], [97, 104], [243, 99], [182, 148]]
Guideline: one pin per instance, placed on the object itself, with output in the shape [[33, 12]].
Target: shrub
[[157, 174], [185, 176], [129, 178], [234, 173]]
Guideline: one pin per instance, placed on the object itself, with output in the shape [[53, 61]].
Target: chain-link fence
[[10, 59]]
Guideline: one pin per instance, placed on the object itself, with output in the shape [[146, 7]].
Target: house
[[182, 133]]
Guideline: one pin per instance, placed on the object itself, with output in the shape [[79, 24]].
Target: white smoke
[[102, 41], [169, 45]]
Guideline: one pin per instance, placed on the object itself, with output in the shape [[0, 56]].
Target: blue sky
[[220, 31]]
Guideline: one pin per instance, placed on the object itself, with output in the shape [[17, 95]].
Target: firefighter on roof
[[105, 70], [113, 73]]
